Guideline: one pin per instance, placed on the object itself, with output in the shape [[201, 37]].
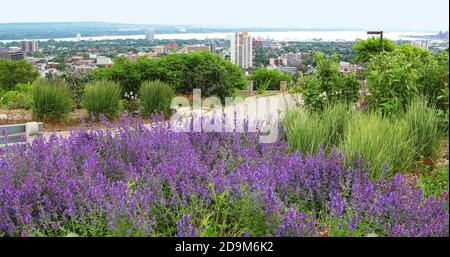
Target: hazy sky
[[373, 14]]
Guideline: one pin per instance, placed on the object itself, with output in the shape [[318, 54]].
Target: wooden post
[[250, 87], [283, 86]]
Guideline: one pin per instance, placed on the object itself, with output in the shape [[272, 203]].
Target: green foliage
[[51, 100], [349, 89], [434, 182], [261, 57], [76, 84], [303, 132], [327, 85], [14, 72], [379, 141], [309, 87], [19, 97], [391, 82], [102, 97], [395, 78], [422, 123], [185, 72], [262, 87], [155, 97], [370, 47], [411, 137], [272, 77], [309, 131]]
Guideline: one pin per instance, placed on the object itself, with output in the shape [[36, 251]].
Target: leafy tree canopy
[[184, 72], [14, 72], [370, 47], [272, 77]]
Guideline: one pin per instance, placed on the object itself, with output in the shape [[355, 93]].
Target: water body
[[326, 36]]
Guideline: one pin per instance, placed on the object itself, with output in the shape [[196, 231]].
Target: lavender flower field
[[129, 180]]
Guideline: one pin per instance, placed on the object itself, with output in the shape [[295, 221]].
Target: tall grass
[[309, 131], [103, 97], [422, 122], [334, 120], [155, 97], [51, 100], [379, 141], [303, 131]]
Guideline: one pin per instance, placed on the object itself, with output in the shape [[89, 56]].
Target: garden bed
[[161, 183]]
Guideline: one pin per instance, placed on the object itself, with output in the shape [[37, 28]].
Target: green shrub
[[155, 97], [434, 182], [378, 141], [15, 72], [269, 77], [185, 72], [76, 84], [51, 100], [422, 123], [103, 97], [327, 85], [19, 97]]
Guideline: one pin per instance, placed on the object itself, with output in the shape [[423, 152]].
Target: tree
[[37, 54], [392, 82], [14, 72], [272, 77], [327, 71], [370, 47], [327, 84], [260, 56], [185, 72]]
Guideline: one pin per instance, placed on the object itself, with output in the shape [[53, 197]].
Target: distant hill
[[49, 30], [66, 29]]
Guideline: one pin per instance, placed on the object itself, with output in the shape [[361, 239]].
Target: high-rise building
[[149, 35], [29, 46], [78, 37], [241, 50]]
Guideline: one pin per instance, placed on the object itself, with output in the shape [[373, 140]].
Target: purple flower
[[184, 227]]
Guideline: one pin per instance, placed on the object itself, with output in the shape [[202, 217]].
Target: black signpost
[[377, 33]]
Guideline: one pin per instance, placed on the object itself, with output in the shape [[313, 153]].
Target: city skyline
[[404, 15]]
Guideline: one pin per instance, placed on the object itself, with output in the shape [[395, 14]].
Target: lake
[[279, 36]]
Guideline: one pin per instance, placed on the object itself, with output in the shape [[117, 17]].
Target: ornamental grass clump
[[379, 141], [155, 98], [51, 100], [131, 180], [309, 131], [423, 125], [103, 97]]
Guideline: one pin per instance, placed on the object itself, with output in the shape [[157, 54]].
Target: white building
[[103, 60], [241, 50], [78, 37], [149, 35], [420, 44]]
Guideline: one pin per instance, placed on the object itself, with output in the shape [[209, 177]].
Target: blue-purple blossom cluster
[[127, 173]]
